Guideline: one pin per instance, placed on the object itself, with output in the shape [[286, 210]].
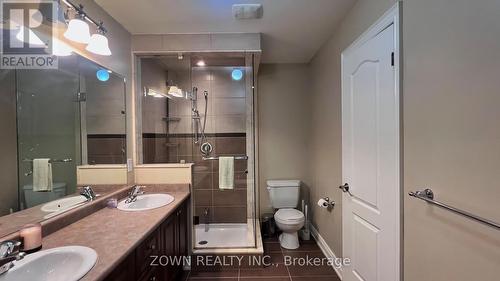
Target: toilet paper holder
[[326, 202]]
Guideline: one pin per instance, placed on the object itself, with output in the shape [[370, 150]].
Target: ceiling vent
[[247, 11]]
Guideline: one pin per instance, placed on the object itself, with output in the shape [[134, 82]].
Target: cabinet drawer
[[150, 247], [125, 271], [151, 275]]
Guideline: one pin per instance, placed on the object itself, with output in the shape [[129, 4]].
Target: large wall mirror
[[70, 116]]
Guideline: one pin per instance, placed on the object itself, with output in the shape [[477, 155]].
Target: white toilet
[[284, 196]]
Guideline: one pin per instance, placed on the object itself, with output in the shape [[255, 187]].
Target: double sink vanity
[[89, 240]]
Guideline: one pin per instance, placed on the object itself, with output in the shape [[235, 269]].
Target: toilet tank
[[284, 193]]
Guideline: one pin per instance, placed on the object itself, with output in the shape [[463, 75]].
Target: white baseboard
[[327, 251]]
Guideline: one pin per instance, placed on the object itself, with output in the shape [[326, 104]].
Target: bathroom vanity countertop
[[114, 234]]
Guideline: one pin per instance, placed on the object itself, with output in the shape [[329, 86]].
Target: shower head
[[205, 93]]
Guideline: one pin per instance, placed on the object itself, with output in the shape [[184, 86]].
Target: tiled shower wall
[[224, 206], [172, 141]]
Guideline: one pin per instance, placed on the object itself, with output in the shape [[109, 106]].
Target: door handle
[[345, 188]]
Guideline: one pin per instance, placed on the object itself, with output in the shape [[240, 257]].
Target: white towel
[[42, 175], [226, 172]]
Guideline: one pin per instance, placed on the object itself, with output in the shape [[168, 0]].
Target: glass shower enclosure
[[196, 108]]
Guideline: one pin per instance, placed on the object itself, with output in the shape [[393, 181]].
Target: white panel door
[[370, 159]]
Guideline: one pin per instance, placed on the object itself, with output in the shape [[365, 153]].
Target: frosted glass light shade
[[61, 49], [99, 45], [78, 31]]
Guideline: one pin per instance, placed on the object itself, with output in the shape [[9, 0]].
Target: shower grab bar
[[236, 157], [53, 160], [428, 196]]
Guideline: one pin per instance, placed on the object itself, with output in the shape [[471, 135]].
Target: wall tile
[[202, 198], [231, 145], [240, 180], [202, 180], [230, 214], [235, 197]]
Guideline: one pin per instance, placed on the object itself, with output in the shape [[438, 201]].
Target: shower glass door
[[224, 218], [194, 100], [48, 127]]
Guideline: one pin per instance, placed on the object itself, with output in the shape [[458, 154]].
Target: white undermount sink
[[146, 202], [63, 203], [68, 263]]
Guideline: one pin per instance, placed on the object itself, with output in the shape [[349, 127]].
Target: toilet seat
[[289, 216]]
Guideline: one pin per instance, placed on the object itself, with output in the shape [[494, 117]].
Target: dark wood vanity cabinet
[[169, 240]]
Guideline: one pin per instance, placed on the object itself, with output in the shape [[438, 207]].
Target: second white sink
[[63, 203], [146, 202]]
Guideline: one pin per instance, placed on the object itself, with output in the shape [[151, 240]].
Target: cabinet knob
[[153, 278]]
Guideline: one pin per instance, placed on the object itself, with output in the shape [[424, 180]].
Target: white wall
[[452, 137], [451, 132], [284, 121]]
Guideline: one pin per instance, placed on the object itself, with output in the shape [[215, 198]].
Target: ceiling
[[292, 30]]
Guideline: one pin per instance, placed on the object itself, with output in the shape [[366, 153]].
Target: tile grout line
[[283, 256]]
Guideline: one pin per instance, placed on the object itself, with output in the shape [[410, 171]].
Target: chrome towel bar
[[67, 160], [428, 196], [53, 160], [236, 157]]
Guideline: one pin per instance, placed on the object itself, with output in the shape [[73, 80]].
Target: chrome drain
[[203, 242]]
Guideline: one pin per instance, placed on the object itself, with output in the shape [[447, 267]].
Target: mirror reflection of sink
[[63, 203], [68, 263], [146, 202]]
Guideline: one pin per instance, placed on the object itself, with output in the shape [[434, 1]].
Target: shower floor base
[[228, 238], [224, 235]]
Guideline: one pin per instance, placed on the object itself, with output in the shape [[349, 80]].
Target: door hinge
[[81, 97], [392, 59]]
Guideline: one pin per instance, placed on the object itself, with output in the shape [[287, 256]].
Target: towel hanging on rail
[[42, 175], [226, 172]]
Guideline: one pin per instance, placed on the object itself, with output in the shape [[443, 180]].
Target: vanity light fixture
[[175, 91], [61, 49], [78, 30], [153, 93], [99, 43]]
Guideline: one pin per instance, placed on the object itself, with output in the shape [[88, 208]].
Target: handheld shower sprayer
[[205, 148]]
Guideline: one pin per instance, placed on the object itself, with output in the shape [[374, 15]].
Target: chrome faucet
[[207, 220], [136, 191], [9, 252], [88, 192]]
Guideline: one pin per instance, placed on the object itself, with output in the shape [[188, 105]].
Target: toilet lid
[[289, 215]]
